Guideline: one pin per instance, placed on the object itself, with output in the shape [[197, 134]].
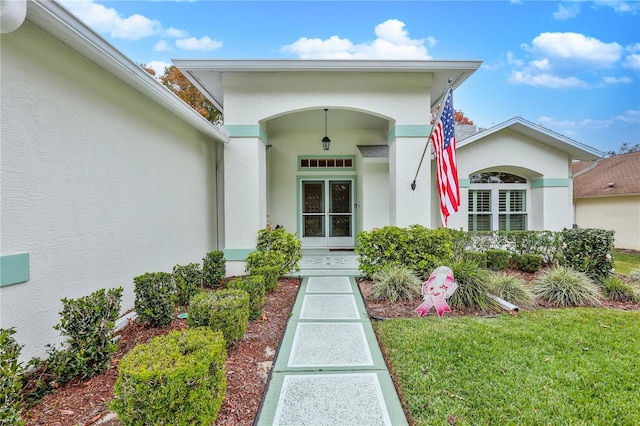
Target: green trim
[[550, 182], [327, 169], [237, 254], [464, 182], [14, 269], [409, 131], [246, 131], [300, 178]]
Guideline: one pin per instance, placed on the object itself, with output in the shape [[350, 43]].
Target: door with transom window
[[327, 213]]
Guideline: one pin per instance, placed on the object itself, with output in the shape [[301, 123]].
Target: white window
[[497, 201]]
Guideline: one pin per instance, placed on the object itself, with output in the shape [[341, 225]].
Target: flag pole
[[443, 96]]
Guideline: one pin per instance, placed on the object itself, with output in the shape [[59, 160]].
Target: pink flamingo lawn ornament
[[436, 289]]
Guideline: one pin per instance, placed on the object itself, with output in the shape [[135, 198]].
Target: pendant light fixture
[[325, 141]]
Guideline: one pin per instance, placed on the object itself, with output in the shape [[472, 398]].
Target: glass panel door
[[340, 209], [313, 214]]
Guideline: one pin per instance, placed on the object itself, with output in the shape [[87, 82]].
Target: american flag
[[444, 146]]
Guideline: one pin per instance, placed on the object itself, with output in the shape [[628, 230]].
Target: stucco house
[[105, 174], [606, 195]]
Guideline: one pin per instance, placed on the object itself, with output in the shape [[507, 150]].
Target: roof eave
[[53, 18]]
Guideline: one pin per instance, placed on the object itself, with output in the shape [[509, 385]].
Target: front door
[[327, 213]]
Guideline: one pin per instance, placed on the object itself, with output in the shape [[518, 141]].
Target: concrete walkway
[[329, 369]]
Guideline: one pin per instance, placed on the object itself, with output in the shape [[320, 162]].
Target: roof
[[206, 74], [374, 151], [576, 150], [62, 25], [616, 175]]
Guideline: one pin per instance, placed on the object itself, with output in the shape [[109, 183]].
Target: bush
[[497, 260], [254, 285], [473, 290], [565, 287], [177, 379], [417, 247], [530, 263], [223, 310], [634, 275], [588, 250], [395, 282], [277, 248], [214, 268], [270, 274], [477, 257], [11, 374], [155, 294], [617, 290], [510, 287], [89, 324], [188, 281]]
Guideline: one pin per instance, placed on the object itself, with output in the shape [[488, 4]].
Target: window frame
[[495, 213]]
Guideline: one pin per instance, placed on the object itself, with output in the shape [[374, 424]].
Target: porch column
[[407, 206], [245, 195]]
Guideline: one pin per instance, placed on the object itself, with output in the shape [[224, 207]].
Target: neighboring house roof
[[616, 175], [206, 74], [576, 150], [62, 25]]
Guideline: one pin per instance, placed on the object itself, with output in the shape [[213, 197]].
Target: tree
[[625, 148], [175, 81]]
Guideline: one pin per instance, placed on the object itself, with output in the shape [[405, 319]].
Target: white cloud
[[392, 42], [158, 67], [632, 62], [630, 116], [565, 60], [620, 6], [568, 12], [203, 43], [108, 20], [161, 46], [610, 81], [175, 33]]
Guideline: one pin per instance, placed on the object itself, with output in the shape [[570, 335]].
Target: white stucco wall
[[508, 151], [374, 188], [620, 214], [98, 184]]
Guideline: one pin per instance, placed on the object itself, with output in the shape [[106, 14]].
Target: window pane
[[480, 201], [496, 177], [512, 222], [512, 200], [479, 222], [313, 226], [313, 193]]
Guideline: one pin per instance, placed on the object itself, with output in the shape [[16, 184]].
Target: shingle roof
[[379, 151], [616, 175]]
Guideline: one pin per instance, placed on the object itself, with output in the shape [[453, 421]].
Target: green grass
[[624, 263], [548, 366]]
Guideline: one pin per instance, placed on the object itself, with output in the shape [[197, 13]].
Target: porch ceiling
[[337, 119], [207, 74]]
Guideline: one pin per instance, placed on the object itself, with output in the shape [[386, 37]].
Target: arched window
[[497, 200]]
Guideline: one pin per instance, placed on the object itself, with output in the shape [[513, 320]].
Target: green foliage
[[254, 285], [188, 281], [419, 248], [89, 324], [473, 290], [270, 274], [276, 247], [564, 286], [497, 260], [510, 287], [11, 374], [588, 250], [543, 243], [634, 275], [395, 282], [477, 257], [177, 379], [527, 262], [223, 310], [214, 268], [542, 367], [155, 294], [616, 289]]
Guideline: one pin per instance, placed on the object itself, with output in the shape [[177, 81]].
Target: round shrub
[[155, 294], [510, 287], [395, 282], [473, 290], [270, 274], [497, 260], [564, 286], [223, 310], [188, 281], [254, 285], [527, 262], [177, 379], [214, 268]]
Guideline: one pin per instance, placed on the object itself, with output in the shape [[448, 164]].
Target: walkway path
[[329, 369]]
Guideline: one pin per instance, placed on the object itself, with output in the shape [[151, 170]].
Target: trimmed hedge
[[188, 281], [155, 294], [223, 310], [177, 379], [214, 268], [270, 274], [254, 285], [497, 260]]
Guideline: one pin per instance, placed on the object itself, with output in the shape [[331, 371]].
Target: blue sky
[[571, 66]]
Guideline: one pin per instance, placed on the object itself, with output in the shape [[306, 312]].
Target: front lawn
[[625, 262], [548, 366]]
